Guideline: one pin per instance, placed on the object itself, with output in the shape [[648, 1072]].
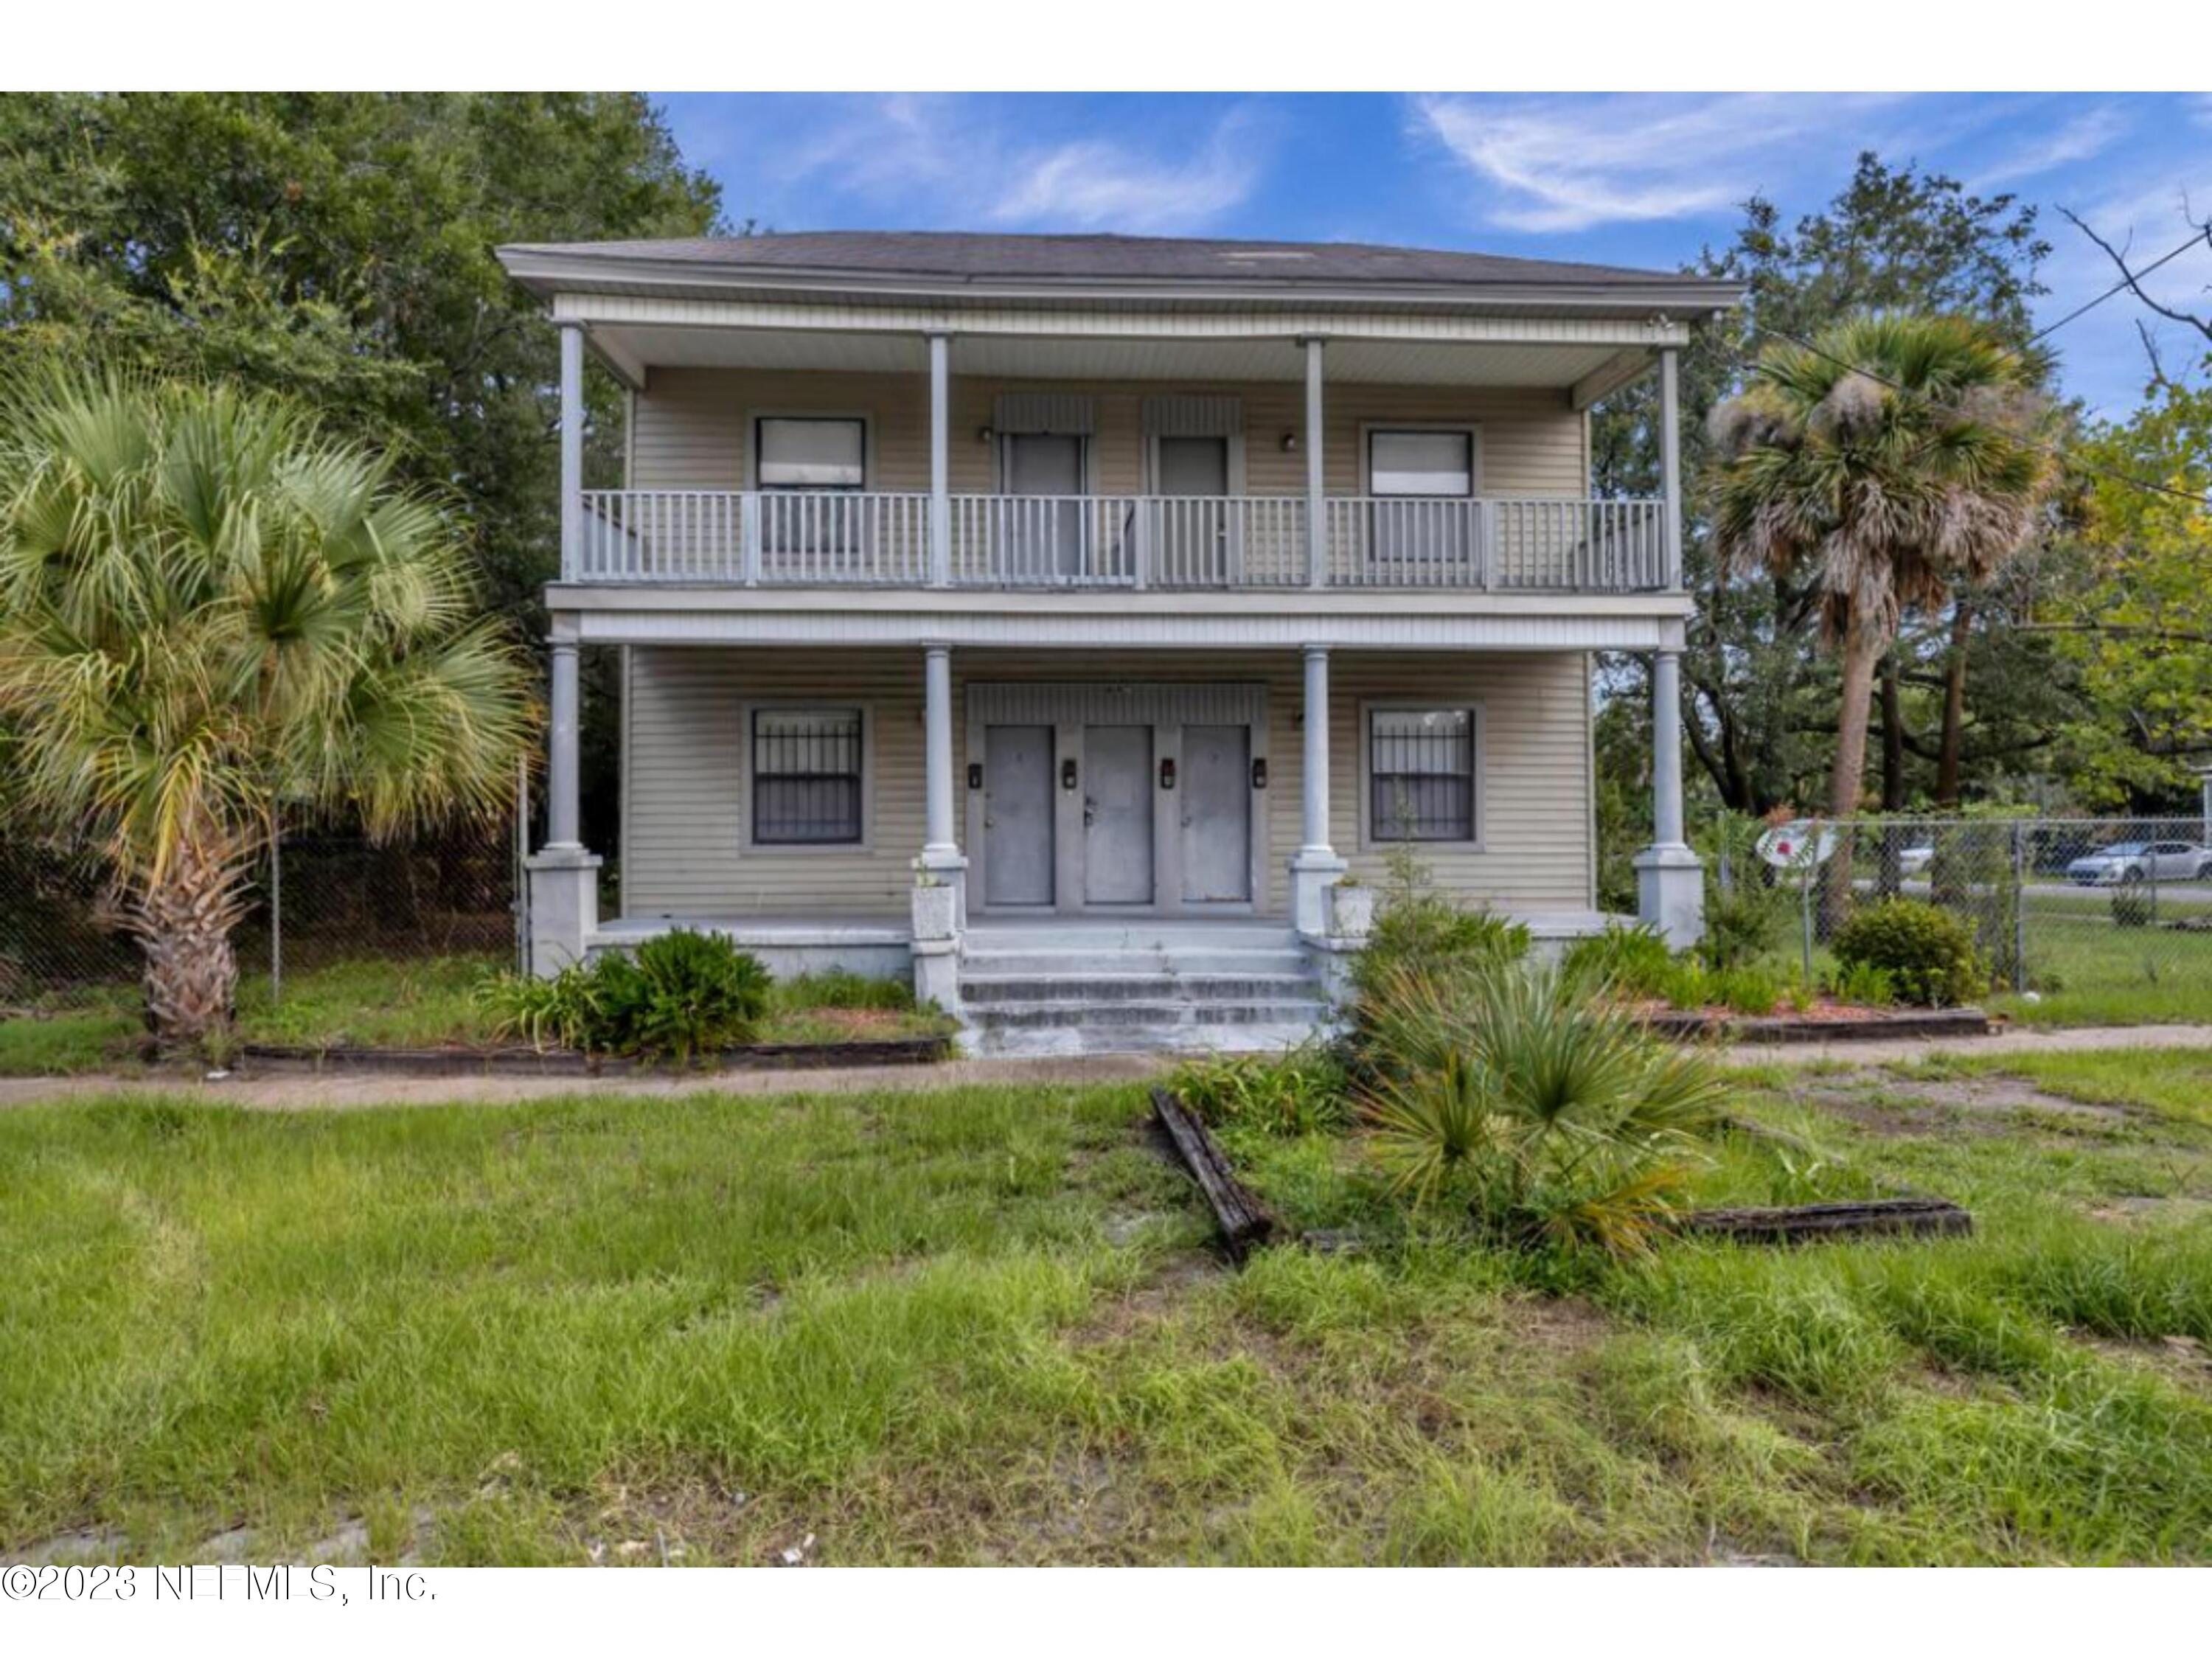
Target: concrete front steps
[[1091, 988]]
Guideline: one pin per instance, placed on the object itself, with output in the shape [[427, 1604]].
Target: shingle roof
[[962, 255]]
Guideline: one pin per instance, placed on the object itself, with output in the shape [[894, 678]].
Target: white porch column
[[572, 450], [1316, 527], [1670, 881], [941, 868], [940, 463], [562, 814], [563, 879], [1670, 460], [1315, 868]]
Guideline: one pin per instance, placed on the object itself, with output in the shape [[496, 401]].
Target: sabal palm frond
[[212, 614], [1894, 459]]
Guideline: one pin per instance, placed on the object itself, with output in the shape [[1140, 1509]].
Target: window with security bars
[[806, 776], [1420, 772]]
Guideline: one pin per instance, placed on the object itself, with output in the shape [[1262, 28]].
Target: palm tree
[[1892, 459], [213, 614]]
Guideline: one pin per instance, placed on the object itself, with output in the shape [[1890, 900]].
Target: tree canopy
[[338, 247]]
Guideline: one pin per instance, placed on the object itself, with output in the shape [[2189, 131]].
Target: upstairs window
[[1420, 463], [807, 452]]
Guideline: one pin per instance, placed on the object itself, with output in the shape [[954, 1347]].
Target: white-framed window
[[1421, 763], [810, 452], [1420, 460], [806, 775], [1422, 480], [811, 470]]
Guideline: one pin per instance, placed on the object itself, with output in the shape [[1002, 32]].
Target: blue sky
[[1643, 180]]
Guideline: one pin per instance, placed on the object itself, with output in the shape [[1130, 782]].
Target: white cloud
[[1568, 163], [2090, 133], [951, 160]]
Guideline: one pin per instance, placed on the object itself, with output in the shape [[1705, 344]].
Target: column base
[[1670, 893], [564, 906], [1313, 870], [949, 865], [937, 973]]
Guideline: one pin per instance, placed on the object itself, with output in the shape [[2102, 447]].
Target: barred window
[[1420, 774], [806, 776]]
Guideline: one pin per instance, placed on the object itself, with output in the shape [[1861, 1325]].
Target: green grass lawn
[[406, 1003], [2095, 974], [984, 1324]]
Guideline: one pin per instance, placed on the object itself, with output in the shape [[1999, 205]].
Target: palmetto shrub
[[1525, 1093], [685, 993]]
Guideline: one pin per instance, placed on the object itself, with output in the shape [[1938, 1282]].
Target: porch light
[[984, 434], [1289, 443]]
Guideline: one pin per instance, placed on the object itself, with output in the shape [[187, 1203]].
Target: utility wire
[[2194, 497], [2121, 286]]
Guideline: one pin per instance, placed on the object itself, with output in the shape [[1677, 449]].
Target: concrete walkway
[[295, 1092]]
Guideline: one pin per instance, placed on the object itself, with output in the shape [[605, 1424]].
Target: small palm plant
[[1557, 1117], [212, 615]]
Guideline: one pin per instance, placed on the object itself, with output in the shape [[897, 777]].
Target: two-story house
[[1063, 619]]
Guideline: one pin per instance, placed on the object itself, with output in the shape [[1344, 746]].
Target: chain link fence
[[320, 900], [2091, 907]]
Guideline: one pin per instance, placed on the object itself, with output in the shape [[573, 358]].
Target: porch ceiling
[[1561, 365]]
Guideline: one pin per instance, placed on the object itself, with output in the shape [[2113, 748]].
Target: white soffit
[[1395, 362]]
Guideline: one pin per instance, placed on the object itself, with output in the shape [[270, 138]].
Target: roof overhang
[[548, 273]]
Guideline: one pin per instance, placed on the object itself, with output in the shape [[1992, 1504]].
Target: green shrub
[[1628, 960], [1864, 984], [1552, 1112], [1928, 953], [1746, 989], [685, 993], [1297, 1092]]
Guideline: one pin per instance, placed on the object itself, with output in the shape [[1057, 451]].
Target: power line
[[2196, 498], [2124, 283]]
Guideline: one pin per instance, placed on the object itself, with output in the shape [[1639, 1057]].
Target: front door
[[1191, 545], [1117, 814], [1017, 835], [1044, 537], [1217, 814]]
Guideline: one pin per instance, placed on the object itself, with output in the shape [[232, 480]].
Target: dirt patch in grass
[[1893, 1107]]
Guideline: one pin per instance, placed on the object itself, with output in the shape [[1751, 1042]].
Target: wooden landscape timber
[[1245, 1223]]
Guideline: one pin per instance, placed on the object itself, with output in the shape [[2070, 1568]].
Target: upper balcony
[[947, 428], [856, 538]]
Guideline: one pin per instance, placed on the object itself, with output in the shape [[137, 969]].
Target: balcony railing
[[779, 538]]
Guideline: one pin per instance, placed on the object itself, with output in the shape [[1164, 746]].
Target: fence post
[[2019, 907], [276, 916], [1808, 863], [518, 866]]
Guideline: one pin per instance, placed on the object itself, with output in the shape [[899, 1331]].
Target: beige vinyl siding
[[694, 429], [684, 766]]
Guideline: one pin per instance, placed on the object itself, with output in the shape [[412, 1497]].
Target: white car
[[1915, 860], [2141, 861]]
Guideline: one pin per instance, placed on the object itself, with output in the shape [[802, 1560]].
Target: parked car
[[1915, 860], [2141, 861]]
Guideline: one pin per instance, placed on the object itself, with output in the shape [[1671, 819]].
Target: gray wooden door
[[1046, 536], [1018, 815], [1191, 542], [1117, 814], [1217, 814]]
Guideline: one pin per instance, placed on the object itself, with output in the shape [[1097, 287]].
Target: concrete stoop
[[1133, 988]]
